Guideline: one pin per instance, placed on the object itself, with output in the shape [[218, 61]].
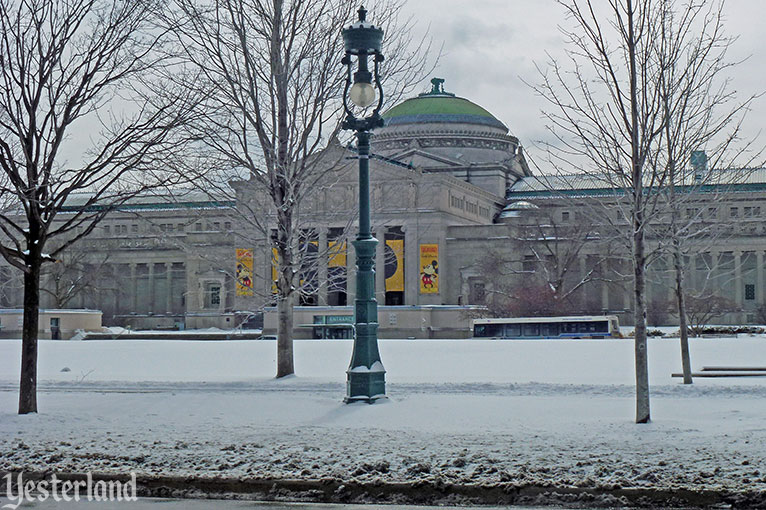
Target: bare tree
[[607, 117], [644, 93], [543, 275], [700, 112], [701, 310], [67, 68], [272, 74], [76, 272]]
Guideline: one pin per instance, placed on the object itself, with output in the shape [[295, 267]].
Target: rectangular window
[[212, 295], [569, 327], [734, 212], [227, 226], [106, 230], [531, 329], [217, 225], [565, 216], [198, 227], [749, 292], [528, 264], [181, 227], [134, 228], [477, 293]]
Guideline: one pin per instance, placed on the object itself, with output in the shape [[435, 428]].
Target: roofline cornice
[[434, 133]]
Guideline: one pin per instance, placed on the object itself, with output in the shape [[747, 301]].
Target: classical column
[[133, 288], [690, 280], [759, 277], [627, 294], [263, 271], [152, 291], [738, 279], [169, 287], [411, 265], [582, 266], [713, 268], [323, 283]]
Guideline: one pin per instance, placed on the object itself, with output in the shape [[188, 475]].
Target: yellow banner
[[429, 268], [274, 263], [337, 254], [394, 265], [244, 285]]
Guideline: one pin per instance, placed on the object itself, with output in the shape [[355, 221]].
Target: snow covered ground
[[544, 413]]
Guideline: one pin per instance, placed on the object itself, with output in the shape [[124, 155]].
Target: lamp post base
[[366, 385]]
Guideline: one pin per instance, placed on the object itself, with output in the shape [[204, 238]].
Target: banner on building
[[394, 265], [429, 268], [244, 272], [274, 271], [336, 256]]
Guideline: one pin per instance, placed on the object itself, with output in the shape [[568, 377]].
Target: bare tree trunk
[[684, 330], [639, 314], [28, 381], [285, 365], [639, 237]]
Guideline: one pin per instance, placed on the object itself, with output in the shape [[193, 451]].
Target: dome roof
[[440, 107], [520, 205], [514, 209]]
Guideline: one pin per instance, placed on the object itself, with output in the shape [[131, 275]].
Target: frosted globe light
[[362, 94]]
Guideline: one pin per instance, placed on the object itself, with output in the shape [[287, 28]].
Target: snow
[[361, 369], [460, 411]]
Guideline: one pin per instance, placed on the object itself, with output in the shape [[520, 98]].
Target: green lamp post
[[366, 377]]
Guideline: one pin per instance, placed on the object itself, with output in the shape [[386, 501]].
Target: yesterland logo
[[18, 491]]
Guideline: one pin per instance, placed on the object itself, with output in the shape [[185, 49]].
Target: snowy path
[[460, 412], [185, 504]]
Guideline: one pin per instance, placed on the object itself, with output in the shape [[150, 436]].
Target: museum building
[[449, 186]]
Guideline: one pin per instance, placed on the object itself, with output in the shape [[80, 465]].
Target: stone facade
[[444, 173]]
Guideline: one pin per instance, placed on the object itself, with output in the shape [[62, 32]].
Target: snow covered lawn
[[555, 413]]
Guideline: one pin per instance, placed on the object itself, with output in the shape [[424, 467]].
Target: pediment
[[422, 159]]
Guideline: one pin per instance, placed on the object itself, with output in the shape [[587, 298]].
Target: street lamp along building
[[366, 375]]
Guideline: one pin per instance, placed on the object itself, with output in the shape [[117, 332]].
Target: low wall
[[69, 322]]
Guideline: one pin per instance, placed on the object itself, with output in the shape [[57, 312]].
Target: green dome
[[440, 107]]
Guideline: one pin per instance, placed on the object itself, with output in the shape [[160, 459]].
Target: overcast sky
[[491, 47]]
